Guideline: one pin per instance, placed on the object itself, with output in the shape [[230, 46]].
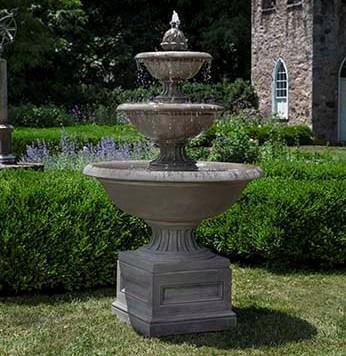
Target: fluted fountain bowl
[[169, 121], [173, 65], [173, 197]]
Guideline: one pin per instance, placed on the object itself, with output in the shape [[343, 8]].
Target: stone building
[[299, 63]]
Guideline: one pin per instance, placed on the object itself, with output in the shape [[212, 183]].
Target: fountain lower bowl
[[180, 197]]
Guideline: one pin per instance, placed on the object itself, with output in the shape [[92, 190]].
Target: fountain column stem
[[173, 157], [171, 93], [174, 241]]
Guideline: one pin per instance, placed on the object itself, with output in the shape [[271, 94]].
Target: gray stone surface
[[173, 286], [287, 34], [311, 38], [160, 296], [5, 129], [184, 121]]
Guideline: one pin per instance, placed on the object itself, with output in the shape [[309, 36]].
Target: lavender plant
[[70, 157]]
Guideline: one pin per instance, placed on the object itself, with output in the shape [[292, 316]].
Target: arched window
[[280, 90]]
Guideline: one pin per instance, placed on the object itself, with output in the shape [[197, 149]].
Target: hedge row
[[335, 170], [23, 137], [59, 230], [122, 133], [291, 135], [284, 220]]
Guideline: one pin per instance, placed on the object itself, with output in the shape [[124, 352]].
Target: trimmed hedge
[[291, 135], [82, 134], [284, 220], [306, 170], [59, 230]]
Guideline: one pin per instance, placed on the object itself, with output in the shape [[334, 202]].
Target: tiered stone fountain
[[172, 285]]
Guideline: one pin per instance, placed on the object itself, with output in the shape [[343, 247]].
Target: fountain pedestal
[[172, 286], [5, 129]]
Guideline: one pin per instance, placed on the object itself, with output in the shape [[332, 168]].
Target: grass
[[298, 313], [336, 153]]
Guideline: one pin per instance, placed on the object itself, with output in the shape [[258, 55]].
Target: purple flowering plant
[[70, 156]]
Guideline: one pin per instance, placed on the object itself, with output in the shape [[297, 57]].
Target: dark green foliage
[[233, 96], [284, 220], [64, 45], [232, 144], [60, 231], [99, 105], [23, 137], [40, 116], [43, 61], [291, 135], [236, 140]]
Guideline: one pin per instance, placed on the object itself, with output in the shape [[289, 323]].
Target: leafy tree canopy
[[64, 44]]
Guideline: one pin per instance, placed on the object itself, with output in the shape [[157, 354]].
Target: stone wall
[[284, 32], [329, 51]]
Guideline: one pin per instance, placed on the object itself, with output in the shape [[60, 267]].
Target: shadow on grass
[[55, 299], [256, 327]]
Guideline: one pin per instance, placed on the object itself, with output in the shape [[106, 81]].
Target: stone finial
[[174, 39], [8, 28]]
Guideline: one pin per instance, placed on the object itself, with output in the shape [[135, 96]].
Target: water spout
[[175, 23]]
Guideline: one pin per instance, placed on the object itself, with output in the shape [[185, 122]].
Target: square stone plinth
[[175, 296]]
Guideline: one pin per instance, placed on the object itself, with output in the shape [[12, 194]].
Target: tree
[[39, 58], [65, 44]]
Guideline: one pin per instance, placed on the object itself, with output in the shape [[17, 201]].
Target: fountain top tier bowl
[[168, 66], [175, 64]]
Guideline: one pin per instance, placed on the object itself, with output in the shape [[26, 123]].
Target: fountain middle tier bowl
[[169, 121], [173, 197], [173, 65]]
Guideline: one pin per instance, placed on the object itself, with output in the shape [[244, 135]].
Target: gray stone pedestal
[[172, 286], [6, 156]]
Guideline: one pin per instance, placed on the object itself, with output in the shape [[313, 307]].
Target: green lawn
[[279, 314], [337, 153]]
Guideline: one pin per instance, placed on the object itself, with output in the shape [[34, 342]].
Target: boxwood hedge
[[285, 220], [59, 230], [291, 135]]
